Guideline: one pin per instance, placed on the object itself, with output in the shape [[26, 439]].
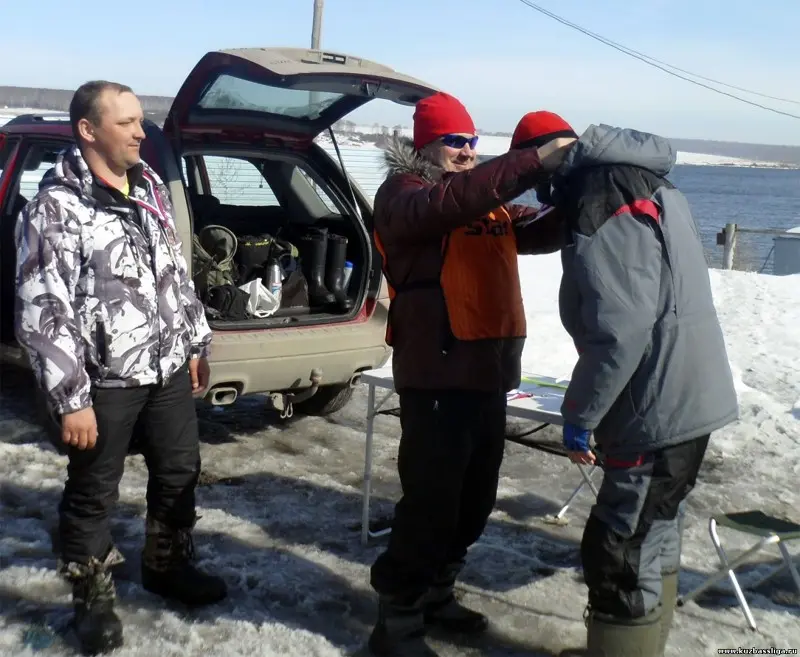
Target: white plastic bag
[[261, 303]]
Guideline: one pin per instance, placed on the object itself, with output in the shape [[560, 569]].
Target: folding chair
[[771, 530]]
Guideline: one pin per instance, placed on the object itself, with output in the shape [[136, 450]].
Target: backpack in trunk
[[255, 252], [213, 259]]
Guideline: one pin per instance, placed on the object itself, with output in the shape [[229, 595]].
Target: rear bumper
[[276, 360]]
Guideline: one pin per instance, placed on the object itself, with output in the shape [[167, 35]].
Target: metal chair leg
[[790, 564], [712, 528], [558, 518], [372, 411]]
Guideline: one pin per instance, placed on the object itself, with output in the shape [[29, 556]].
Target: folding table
[[541, 402]]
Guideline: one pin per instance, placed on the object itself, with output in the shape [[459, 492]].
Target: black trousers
[[633, 535], [171, 450], [451, 449]]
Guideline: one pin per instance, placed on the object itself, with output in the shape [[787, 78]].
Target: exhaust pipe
[[355, 380], [223, 395]]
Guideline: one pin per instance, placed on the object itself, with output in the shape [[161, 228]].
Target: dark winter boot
[[96, 624], [167, 568], [608, 636], [313, 251], [443, 610], [334, 271], [400, 628], [669, 594]]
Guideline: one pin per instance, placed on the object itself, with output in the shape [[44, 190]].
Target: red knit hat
[[538, 128], [438, 115]]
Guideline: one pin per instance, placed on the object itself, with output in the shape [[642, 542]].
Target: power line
[[614, 44], [657, 64]]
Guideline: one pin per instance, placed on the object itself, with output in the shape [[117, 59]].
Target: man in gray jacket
[[108, 316], [652, 379]]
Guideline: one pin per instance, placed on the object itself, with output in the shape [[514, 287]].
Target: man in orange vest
[[449, 236]]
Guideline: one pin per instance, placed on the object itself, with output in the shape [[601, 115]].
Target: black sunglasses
[[459, 141]]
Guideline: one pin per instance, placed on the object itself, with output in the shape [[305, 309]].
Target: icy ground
[[280, 507]]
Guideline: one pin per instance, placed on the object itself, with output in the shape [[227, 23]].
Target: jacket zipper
[[151, 253]]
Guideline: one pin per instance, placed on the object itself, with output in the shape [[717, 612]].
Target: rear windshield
[[233, 93]]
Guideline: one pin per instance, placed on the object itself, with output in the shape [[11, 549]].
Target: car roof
[[45, 124]]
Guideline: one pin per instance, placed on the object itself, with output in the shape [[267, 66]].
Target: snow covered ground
[[280, 506]]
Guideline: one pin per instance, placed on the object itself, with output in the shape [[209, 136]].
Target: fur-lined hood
[[401, 158]]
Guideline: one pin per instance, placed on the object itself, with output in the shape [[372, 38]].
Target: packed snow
[[280, 507]]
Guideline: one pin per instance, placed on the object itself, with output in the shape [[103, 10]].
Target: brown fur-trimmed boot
[[168, 569]]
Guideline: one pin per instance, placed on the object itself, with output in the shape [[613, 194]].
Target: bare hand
[[552, 154], [585, 458], [79, 429], [200, 372]]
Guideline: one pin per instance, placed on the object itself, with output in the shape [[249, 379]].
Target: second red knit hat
[[538, 128]]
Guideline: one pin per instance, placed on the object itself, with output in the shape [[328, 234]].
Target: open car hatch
[[292, 93]]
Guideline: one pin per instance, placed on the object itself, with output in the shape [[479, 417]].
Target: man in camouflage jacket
[[117, 338]]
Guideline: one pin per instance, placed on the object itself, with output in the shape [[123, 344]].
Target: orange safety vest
[[479, 280]]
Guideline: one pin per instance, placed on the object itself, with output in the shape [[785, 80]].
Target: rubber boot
[[96, 624], [168, 571], [313, 248], [443, 610], [334, 271], [669, 594], [608, 636], [400, 628]]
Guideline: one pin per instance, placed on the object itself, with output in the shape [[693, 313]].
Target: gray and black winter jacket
[[636, 298], [103, 292]]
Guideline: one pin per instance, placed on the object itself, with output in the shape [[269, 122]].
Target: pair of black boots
[[323, 256], [403, 620], [167, 571]]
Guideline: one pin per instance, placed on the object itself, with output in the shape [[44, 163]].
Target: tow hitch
[[283, 402]]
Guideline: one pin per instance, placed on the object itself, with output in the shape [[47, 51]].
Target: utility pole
[[316, 29]]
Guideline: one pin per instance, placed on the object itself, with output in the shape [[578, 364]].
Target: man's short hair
[[85, 105]]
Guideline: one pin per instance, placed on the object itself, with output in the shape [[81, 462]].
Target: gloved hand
[[576, 441]]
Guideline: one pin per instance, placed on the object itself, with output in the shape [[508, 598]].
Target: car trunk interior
[[290, 222]]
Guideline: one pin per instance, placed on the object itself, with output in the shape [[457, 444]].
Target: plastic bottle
[[348, 272], [275, 279]]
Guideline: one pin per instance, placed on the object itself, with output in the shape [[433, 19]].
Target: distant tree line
[[156, 108], [58, 99]]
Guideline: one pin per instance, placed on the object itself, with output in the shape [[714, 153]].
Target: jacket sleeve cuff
[[77, 402], [200, 350], [574, 416]]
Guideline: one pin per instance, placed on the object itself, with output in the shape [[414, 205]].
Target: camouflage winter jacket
[[103, 293]]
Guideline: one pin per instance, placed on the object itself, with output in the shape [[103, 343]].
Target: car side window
[[39, 158], [237, 181], [35, 159], [323, 196]]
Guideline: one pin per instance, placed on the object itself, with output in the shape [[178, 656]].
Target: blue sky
[[499, 56]]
